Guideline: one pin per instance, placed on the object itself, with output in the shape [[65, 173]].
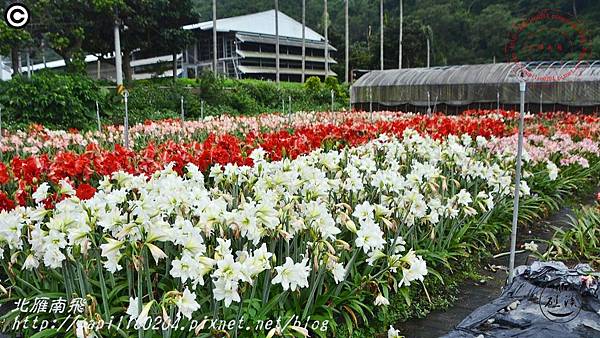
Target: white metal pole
[[28, 59], [214, 15], [98, 116], [498, 101], [118, 60], [381, 33], [332, 99], [277, 40], [513, 235], [401, 31], [326, 38], [541, 101], [182, 112], [303, 40], [371, 103], [0, 122], [347, 44], [428, 103], [202, 109], [98, 68], [126, 124], [428, 53], [44, 53]]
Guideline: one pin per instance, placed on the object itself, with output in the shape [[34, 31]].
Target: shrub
[[52, 99]]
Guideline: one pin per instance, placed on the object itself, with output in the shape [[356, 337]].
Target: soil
[[473, 294]]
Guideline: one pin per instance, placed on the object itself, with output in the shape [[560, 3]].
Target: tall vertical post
[[498, 101], [303, 40], [0, 122], [428, 53], [332, 99], [126, 122], [202, 109], [98, 68], [182, 113], [326, 38], [381, 33], [371, 103], [428, 103], [214, 15], [28, 60], [401, 32], [277, 40], [541, 100], [44, 53], [513, 235], [98, 116], [347, 44], [118, 60]]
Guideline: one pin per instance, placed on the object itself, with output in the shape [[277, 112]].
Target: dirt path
[[472, 294]]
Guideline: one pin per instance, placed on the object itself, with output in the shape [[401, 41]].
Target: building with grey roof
[[246, 48]]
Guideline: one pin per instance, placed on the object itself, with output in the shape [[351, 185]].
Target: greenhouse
[[550, 85]]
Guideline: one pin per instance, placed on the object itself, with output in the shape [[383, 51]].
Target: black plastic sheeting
[[546, 299]]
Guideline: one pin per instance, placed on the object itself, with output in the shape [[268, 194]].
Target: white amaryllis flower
[[531, 246], [393, 333], [292, 275], [66, 188], [111, 252], [381, 300], [82, 329], [417, 270], [226, 290], [143, 316], [133, 309], [186, 303], [369, 236], [31, 262], [337, 270], [41, 193], [552, 170]]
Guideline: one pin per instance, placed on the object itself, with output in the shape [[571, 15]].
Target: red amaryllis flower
[[85, 191], [5, 202], [4, 177]]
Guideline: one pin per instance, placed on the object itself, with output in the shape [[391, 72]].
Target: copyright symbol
[[16, 15]]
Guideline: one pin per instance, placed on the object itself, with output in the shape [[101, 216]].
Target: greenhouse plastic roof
[[572, 83]]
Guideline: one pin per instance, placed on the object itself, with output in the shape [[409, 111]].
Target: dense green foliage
[[464, 31], [59, 100], [52, 99], [461, 31], [162, 98]]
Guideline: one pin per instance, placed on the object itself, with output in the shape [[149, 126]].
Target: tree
[[65, 23], [11, 41], [174, 14]]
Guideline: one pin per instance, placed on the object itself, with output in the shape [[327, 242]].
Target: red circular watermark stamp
[[548, 35]]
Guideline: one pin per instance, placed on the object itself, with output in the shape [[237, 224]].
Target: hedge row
[[59, 100]]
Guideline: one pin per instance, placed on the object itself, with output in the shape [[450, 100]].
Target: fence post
[[182, 112], [498, 102], [332, 99], [0, 122], [202, 109], [371, 103], [515, 219], [98, 116], [126, 126]]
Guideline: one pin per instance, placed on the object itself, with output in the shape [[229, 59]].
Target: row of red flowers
[[21, 177]]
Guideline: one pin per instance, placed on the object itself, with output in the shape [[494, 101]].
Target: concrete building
[[246, 48]]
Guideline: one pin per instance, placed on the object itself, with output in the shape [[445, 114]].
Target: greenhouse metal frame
[[570, 85]]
